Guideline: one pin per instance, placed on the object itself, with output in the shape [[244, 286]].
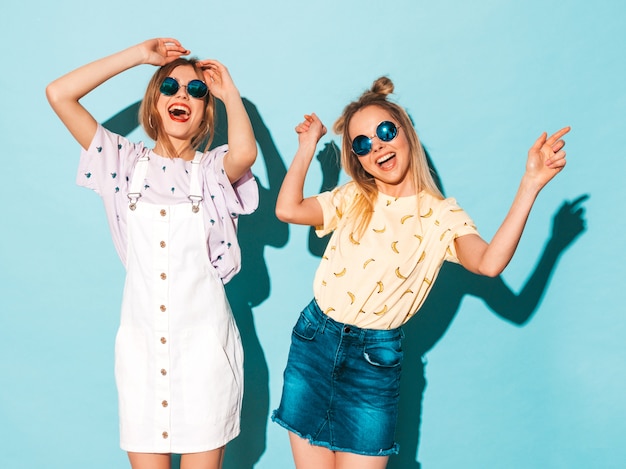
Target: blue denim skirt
[[342, 385]]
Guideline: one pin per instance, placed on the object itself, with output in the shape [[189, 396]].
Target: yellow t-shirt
[[380, 280]]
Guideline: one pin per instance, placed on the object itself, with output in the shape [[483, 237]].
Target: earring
[[150, 122]]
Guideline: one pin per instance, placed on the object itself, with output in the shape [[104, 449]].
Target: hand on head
[[218, 79], [161, 51]]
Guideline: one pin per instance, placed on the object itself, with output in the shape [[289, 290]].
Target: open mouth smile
[[385, 159], [179, 112]]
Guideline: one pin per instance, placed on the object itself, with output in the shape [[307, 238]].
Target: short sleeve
[[457, 223], [227, 201], [334, 206], [105, 166], [240, 197]]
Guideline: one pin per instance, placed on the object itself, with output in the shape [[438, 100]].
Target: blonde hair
[[363, 206], [151, 120]]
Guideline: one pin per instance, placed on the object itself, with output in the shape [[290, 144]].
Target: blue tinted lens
[[361, 145], [169, 86], [386, 131], [197, 89]]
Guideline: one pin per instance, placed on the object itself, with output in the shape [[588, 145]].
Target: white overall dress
[[178, 354]]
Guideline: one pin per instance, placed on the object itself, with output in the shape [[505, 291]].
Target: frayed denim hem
[[395, 449]]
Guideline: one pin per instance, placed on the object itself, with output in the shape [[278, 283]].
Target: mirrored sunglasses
[[195, 88], [386, 131]]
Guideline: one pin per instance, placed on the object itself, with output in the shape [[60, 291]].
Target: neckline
[[391, 198], [167, 158]]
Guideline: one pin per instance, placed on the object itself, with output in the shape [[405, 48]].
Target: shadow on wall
[[250, 287], [454, 282]]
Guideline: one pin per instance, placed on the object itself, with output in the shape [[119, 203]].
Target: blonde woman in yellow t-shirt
[[392, 229]]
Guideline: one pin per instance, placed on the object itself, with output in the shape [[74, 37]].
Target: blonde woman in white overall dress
[[173, 215]]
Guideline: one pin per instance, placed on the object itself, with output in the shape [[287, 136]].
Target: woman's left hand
[[218, 79], [546, 158]]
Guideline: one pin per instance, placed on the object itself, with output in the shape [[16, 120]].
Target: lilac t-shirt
[[107, 168]]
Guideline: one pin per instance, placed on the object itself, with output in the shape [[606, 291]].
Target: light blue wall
[[481, 80]]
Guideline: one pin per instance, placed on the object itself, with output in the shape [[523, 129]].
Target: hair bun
[[375, 96], [382, 86]]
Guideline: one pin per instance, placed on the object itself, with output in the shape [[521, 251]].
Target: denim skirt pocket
[[383, 354], [306, 326]]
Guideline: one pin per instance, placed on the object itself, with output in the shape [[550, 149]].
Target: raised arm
[[291, 206], [65, 92], [242, 150], [546, 158]]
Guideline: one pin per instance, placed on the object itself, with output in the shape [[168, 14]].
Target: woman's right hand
[[311, 130], [291, 206], [161, 51]]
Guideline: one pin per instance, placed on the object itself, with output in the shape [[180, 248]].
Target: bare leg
[[206, 460], [307, 456], [149, 461], [358, 461]]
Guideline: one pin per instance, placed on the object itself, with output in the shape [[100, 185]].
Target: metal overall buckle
[[195, 202], [133, 197]]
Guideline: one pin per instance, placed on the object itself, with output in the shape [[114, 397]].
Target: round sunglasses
[[195, 88], [386, 131]]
